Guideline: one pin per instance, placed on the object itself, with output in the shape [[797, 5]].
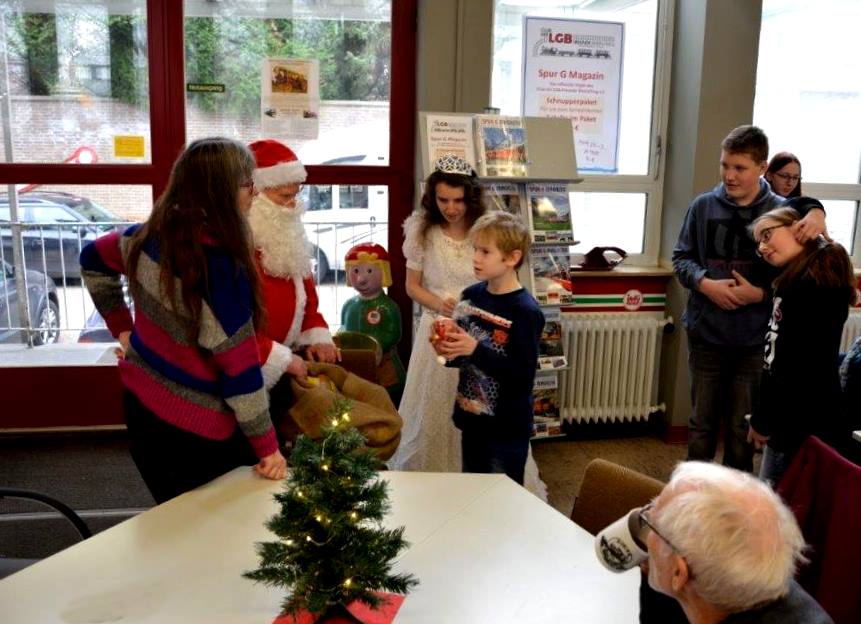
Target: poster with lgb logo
[[573, 69]]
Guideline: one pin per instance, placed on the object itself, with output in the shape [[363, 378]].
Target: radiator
[[851, 330], [614, 357]]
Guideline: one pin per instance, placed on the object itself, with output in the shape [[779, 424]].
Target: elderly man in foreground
[[724, 545]]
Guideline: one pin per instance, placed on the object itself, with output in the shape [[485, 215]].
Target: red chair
[[824, 491]]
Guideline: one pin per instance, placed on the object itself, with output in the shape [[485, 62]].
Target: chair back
[[10, 565], [823, 490], [608, 492]]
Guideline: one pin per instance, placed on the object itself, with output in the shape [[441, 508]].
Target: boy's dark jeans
[[481, 454], [724, 387]]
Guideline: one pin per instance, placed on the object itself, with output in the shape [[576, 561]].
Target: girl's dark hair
[[825, 263], [471, 196], [778, 162], [199, 207]]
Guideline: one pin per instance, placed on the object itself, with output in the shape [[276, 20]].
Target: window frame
[[652, 182], [166, 70], [838, 191]]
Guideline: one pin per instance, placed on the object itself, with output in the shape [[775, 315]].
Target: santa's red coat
[[291, 311]]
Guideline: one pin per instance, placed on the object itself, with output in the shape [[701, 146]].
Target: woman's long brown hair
[[200, 207], [472, 192]]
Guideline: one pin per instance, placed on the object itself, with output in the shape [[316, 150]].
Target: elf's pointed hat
[[372, 253], [277, 165]]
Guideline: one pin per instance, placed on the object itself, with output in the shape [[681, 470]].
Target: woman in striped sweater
[[194, 400]]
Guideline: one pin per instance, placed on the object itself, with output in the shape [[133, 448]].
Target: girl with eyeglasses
[[194, 401], [800, 389], [784, 174]]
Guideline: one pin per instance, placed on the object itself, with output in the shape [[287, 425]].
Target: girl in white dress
[[439, 266]]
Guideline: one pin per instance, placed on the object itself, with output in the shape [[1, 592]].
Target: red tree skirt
[[359, 610]]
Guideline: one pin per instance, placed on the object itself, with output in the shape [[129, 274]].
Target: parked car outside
[[44, 309], [54, 249]]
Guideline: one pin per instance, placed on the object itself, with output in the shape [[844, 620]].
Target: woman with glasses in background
[[800, 389], [784, 174]]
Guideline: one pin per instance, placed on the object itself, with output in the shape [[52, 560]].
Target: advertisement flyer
[[573, 69], [290, 98], [450, 134], [502, 196], [502, 146], [551, 275], [549, 213]]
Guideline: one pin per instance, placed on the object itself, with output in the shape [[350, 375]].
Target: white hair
[[280, 236], [741, 542]]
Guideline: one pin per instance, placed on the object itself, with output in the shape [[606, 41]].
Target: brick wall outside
[[48, 129]]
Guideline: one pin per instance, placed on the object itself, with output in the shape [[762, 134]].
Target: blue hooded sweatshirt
[[714, 241]]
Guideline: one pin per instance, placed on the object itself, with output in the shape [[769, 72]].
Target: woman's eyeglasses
[[766, 234], [249, 185], [788, 177]]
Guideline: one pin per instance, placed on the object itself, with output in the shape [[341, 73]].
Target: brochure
[[551, 355], [502, 146], [549, 213], [547, 420], [450, 134], [502, 196], [551, 280]]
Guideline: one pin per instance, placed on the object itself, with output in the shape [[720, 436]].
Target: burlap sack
[[373, 412]]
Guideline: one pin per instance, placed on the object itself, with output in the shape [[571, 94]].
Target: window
[[228, 44], [78, 71], [620, 208], [99, 105], [815, 88]]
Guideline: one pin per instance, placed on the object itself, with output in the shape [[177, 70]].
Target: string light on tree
[[322, 539]]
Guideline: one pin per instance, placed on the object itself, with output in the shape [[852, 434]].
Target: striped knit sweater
[[207, 387]]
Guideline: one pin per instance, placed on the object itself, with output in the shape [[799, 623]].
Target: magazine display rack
[[526, 165]]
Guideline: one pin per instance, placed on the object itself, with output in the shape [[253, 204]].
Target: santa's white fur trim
[[280, 174], [299, 314], [280, 236], [275, 365], [315, 335]]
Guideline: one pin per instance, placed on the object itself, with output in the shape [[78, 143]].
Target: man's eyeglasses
[[788, 177], [643, 517]]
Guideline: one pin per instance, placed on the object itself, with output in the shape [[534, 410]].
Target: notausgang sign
[[204, 87]]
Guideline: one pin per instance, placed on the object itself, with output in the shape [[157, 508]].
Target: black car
[[44, 308], [54, 249]]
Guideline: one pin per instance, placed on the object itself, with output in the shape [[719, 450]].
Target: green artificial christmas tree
[[331, 548]]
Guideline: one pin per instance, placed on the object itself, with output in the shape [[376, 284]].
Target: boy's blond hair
[[505, 230]]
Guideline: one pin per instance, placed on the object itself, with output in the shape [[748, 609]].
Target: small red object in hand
[[441, 327]]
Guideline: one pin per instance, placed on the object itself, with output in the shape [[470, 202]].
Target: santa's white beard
[[280, 236]]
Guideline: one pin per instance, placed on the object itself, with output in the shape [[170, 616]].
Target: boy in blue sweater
[[728, 308], [496, 349]]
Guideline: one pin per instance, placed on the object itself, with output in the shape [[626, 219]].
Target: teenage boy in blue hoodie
[[729, 305]]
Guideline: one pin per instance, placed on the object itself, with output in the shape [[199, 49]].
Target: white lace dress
[[429, 440]]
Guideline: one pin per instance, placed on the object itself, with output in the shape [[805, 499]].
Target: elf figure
[[294, 328], [374, 313]]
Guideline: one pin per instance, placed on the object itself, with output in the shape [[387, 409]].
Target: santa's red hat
[[277, 165]]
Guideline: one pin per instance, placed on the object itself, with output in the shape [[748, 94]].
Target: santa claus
[[294, 324]]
